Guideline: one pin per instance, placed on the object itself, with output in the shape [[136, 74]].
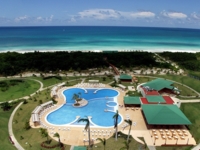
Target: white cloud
[[174, 15], [39, 18], [143, 14], [72, 20], [28, 19], [99, 14], [49, 18], [195, 16], [22, 18], [111, 14]]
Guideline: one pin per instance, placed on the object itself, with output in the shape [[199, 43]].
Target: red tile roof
[[150, 92], [168, 100]]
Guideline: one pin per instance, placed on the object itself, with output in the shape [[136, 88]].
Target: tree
[[115, 117], [6, 106], [27, 125], [44, 133], [58, 136], [77, 97], [103, 141], [87, 126], [126, 146], [130, 124]]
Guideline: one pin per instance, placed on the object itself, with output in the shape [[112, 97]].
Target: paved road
[[197, 147], [10, 131]]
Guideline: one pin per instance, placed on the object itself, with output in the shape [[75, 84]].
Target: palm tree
[[58, 136], [130, 124], [115, 117], [44, 133], [103, 141], [87, 126], [126, 146], [77, 97]]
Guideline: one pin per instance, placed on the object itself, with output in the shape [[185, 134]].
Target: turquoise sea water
[[98, 38]]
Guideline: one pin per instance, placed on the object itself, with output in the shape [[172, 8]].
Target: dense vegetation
[[12, 63], [188, 61]]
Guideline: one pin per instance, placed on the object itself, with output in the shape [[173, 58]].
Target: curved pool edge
[[94, 125]]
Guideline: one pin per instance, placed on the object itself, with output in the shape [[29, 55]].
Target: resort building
[[132, 101], [157, 87], [125, 78]]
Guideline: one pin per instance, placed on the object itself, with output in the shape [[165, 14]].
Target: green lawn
[[101, 80], [32, 136], [53, 81], [193, 83], [192, 111], [22, 89], [184, 91], [174, 148], [4, 138]]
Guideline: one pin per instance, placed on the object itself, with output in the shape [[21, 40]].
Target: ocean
[[98, 38]]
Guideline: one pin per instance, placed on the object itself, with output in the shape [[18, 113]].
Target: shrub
[[25, 101], [27, 126]]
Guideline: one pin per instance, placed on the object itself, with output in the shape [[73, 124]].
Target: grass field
[[192, 111], [4, 136], [101, 80], [32, 136], [193, 83], [22, 89], [53, 81]]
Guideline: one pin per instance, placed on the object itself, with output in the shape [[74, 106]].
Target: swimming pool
[[102, 105]]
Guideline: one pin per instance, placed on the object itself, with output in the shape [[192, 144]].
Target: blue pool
[[97, 104], [111, 103]]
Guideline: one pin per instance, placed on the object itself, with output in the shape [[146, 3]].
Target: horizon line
[[98, 26]]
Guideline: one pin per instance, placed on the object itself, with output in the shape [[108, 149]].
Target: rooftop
[[132, 100], [159, 84], [125, 77], [159, 114], [80, 148], [155, 99], [150, 92]]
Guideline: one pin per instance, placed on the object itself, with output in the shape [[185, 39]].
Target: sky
[[147, 13]]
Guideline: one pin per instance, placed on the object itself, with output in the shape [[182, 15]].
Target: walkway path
[[10, 131], [196, 147], [16, 144], [190, 101], [26, 97], [83, 80]]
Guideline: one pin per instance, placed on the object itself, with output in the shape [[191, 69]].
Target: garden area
[[102, 79], [17, 88], [4, 138], [28, 137], [53, 80]]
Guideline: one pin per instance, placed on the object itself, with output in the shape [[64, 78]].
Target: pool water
[[97, 104], [111, 103]]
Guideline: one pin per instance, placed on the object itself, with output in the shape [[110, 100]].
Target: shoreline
[[101, 51]]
